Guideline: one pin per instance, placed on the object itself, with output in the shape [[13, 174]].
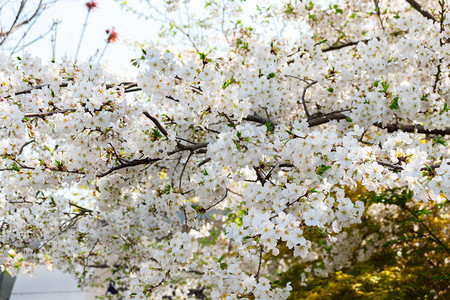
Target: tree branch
[[340, 46], [325, 118], [156, 122], [413, 128], [259, 119], [223, 198], [419, 8], [133, 163], [303, 98]]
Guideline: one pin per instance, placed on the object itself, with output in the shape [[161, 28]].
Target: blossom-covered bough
[[187, 181]]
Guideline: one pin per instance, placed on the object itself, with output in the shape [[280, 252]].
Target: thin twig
[[24, 145], [183, 169], [223, 198], [82, 34], [428, 230], [203, 162], [303, 98], [259, 263]]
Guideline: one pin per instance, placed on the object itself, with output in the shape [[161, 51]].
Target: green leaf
[[385, 87], [440, 140], [156, 133], [167, 188], [289, 9], [330, 89], [228, 82], [58, 164], [321, 169], [238, 146], [15, 167], [423, 212], [269, 126], [271, 75], [394, 103]]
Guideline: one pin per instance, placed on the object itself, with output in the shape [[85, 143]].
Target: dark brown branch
[[259, 119], [377, 9], [83, 209], [228, 119], [133, 163], [24, 145], [38, 87], [413, 128], [156, 122], [338, 115], [391, 166], [183, 169], [419, 8], [172, 98], [61, 169], [303, 98], [331, 48], [128, 86], [259, 175], [148, 160], [325, 118], [441, 42], [285, 165], [133, 90], [193, 147], [259, 263], [203, 162], [400, 168], [48, 113], [345, 45]]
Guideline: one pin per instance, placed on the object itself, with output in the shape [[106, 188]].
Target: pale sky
[[72, 14]]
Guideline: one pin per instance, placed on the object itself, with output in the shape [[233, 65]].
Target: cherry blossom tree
[[189, 181]]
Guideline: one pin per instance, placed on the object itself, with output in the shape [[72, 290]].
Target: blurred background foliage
[[408, 261]]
